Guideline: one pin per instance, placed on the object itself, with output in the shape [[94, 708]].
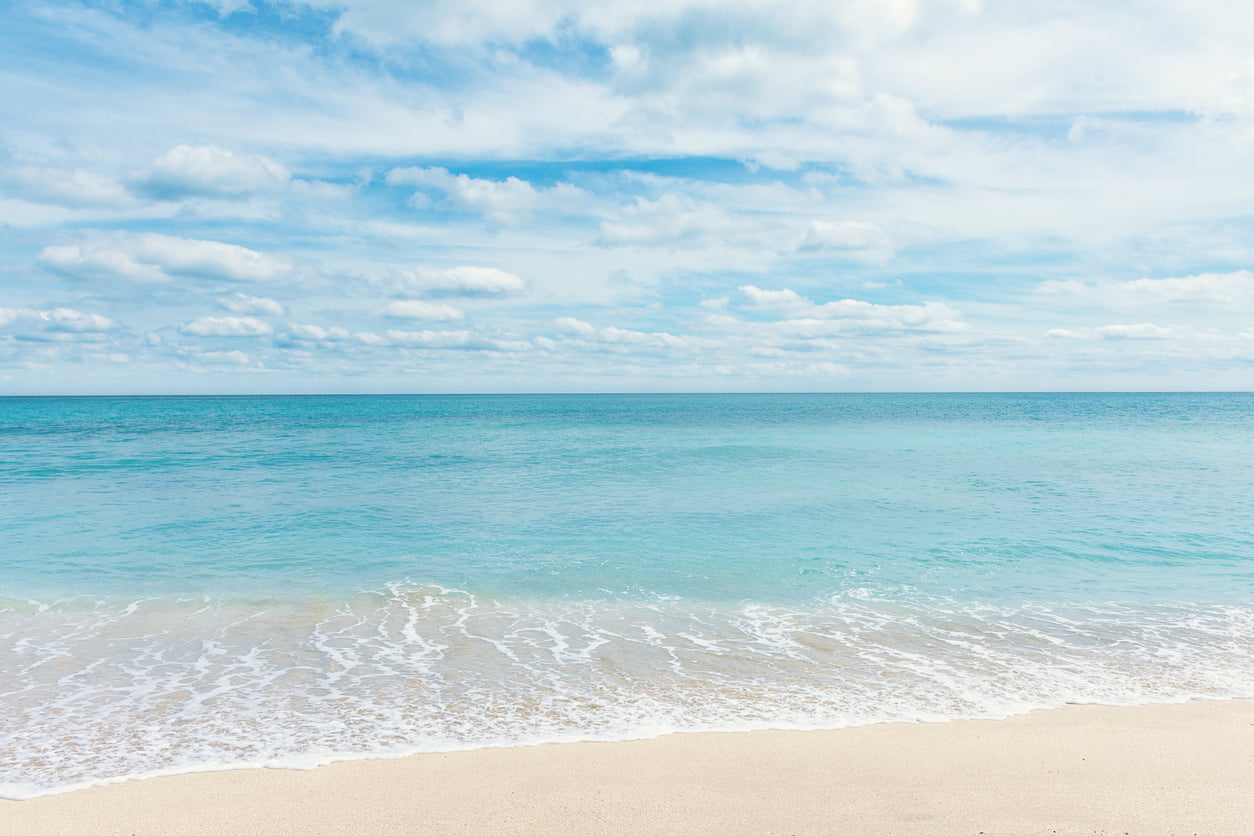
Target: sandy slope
[[1152, 770]]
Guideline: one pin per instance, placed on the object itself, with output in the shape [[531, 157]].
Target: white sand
[[1181, 769]]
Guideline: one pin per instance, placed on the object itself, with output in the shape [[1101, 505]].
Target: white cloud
[[222, 358], [578, 327], [1235, 288], [785, 299], [67, 319], [227, 326], [208, 171], [57, 324], [150, 257], [452, 340], [843, 235], [242, 303], [461, 282], [672, 219], [1116, 134], [99, 261], [854, 314], [73, 188], [316, 333], [416, 309], [1139, 331], [505, 201], [628, 338], [652, 339]]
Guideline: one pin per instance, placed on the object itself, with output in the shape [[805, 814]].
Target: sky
[[322, 196]]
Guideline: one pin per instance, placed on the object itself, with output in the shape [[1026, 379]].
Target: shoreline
[[1166, 768]]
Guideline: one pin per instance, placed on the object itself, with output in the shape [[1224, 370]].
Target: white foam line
[[307, 761]]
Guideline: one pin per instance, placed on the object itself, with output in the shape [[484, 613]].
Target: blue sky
[[549, 195]]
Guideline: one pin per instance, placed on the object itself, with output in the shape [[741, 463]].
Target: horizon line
[[624, 393]]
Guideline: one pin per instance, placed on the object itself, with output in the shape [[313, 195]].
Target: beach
[[193, 585], [1161, 769], [698, 417]]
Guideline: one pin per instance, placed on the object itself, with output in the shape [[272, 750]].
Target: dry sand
[[1178, 769]]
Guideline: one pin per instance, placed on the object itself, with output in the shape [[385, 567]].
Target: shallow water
[[192, 583]]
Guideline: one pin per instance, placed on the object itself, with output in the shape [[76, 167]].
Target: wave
[[101, 690]]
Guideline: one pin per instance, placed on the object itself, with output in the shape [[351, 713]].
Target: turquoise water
[[192, 583]]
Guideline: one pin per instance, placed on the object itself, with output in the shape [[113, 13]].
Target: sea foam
[[100, 690]]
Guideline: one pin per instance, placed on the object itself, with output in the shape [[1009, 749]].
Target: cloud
[[99, 261], [227, 326], [1140, 331], [468, 282], [652, 339], [692, 147], [854, 314], [242, 303], [785, 299], [151, 257], [1235, 288], [843, 235], [627, 337], [72, 188], [67, 319], [222, 358], [672, 219], [416, 309], [578, 327], [507, 201], [56, 324], [316, 333], [208, 171], [448, 340]]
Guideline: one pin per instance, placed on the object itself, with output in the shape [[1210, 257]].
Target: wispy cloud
[[863, 195]]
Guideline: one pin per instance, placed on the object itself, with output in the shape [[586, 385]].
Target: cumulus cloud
[[150, 257], [1233, 288], [505, 201], [417, 309], [461, 282], [227, 326], [209, 171], [449, 340], [785, 299], [242, 303], [73, 188], [578, 327], [57, 324], [99, 261], [652, 339], [863, 126], [316, 333], [67, 319], [627, 338], [672, 219], [843, 235], [855, 314]]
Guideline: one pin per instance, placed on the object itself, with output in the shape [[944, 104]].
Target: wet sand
[[1176, 769]]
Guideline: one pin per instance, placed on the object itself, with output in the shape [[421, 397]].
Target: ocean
[[195, 583]]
